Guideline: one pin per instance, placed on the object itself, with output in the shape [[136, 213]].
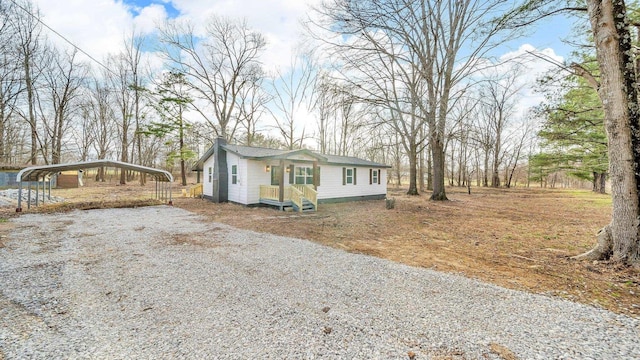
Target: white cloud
[[99, 27], [149, 17], [277, 20], [535, 64]]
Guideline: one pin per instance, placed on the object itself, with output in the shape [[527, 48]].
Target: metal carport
[[43, 172]]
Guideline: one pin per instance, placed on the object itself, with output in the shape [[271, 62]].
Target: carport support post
[[29, 195], [170, 199], [50, 181], [156, 189], [19, 208], [44, 189], [37, 191]]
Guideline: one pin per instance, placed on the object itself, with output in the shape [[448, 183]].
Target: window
[[234, 174], [374, 176], [210, 174], [304, 175], [349, 176]]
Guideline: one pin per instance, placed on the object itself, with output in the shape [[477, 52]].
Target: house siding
[[237, 191], [256, 176], [331, 186], [207, 185]]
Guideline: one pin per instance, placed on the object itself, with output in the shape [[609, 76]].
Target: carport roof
[[35, 173]]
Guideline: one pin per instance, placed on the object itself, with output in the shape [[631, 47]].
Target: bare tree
[[132, 56], [421, 43], [324, 107], [499, 95], [24, 20], [291, 96], [63, 77], [219, 66], [379, 70], [100, 108], [522, 138], [11, 86], [120, 81], [252, 106]]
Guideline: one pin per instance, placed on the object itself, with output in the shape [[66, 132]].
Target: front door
[[275, 175]]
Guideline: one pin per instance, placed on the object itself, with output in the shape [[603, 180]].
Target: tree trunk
[[429, 169], [32, 117], [603, 183], [437, 150], [421, 183], [3, 157], [485, 171], [413, 170], [124, 157], [183, 172], [452, 174], [618, 93]]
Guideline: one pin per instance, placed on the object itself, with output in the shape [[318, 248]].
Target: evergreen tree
[[573, 134], [172, 102]]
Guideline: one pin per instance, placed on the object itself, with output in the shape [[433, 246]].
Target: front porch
[[299, 197]]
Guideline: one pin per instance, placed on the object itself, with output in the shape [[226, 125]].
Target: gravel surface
[[161, 283], [9, 197]]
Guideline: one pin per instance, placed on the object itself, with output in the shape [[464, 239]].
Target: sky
[[99, 27]]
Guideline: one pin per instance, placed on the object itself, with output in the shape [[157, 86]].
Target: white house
[[300, 179]]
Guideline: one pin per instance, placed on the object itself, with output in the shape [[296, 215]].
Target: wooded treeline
[[415, 85]]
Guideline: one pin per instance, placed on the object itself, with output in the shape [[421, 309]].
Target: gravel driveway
[[158, 282]]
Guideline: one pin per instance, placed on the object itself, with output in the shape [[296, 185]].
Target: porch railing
[[269, 192], [293, 193], [296, 197], [309, 193], [196, 191]]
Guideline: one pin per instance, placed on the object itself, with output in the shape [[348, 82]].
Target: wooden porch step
[[286, 205], [306, 206]]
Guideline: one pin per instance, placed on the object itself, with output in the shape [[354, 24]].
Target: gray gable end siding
[[220, 173]]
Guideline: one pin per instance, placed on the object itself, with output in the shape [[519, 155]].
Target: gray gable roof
[[253, 152], [258, 153], [350, 160]]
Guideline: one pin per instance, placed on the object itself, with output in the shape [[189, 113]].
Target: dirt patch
[[517, 238], [203, 240], [5, 230]]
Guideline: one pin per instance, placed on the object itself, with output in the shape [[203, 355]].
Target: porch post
[[316, 179], [281, 185]]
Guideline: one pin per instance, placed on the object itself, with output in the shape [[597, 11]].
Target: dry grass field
[[517, 238]]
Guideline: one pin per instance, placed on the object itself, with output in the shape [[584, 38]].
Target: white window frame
[[304, 173], [349, 178]]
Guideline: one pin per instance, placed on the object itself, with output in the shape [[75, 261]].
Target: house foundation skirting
[[352, 198]]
